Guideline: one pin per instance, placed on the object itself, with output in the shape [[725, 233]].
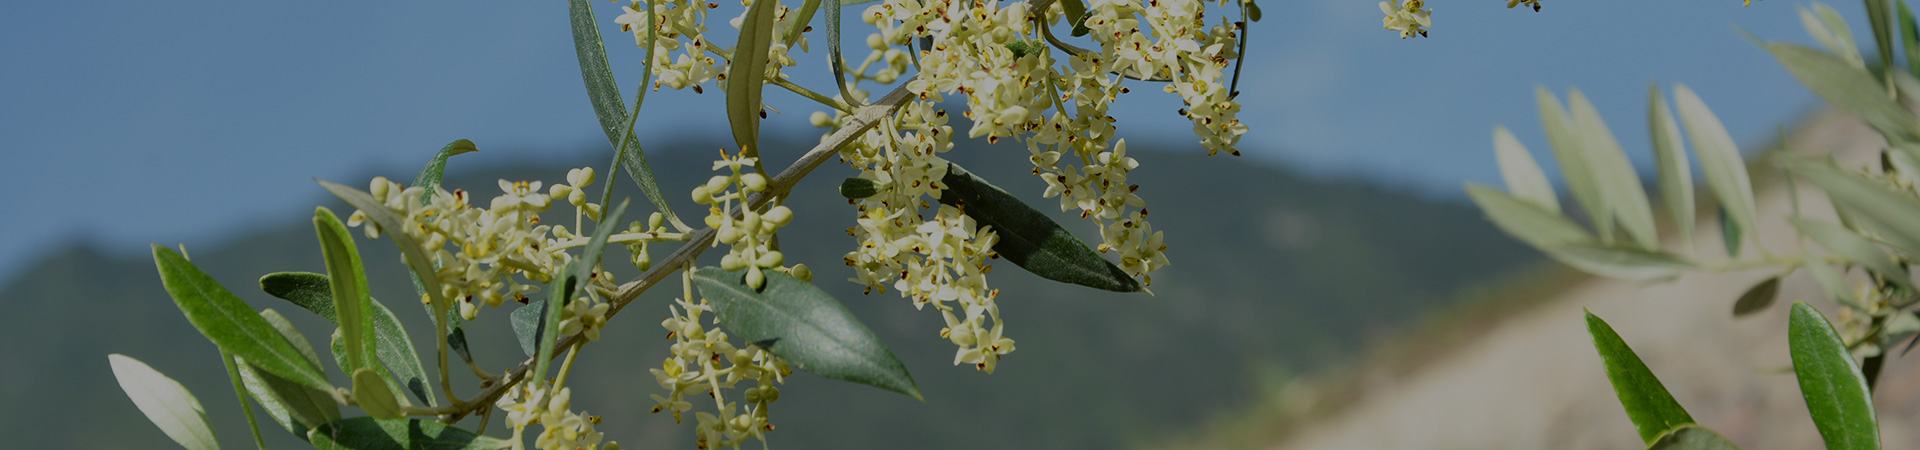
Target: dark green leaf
[[1076, 10], [240, 392], [1850, 89], [1253, 11], [430, 176], [805, 326], [367, 433], [1830, 381], [164, 402], [561, 291], [858, 188], [391, 343], [1028, 238], [1757, 298], [604, 92], [352, 304], [1692, 437], [807, 10], [1618, 262], [747, 73], [230, 323], [834, 58], [1648, 404]]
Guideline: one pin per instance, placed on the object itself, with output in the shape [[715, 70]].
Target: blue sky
[[133, 122]]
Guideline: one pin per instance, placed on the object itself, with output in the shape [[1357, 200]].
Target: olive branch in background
[[1878, 208]]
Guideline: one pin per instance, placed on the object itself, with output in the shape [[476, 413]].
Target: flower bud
[[779, 216], [802, 272], [654, 221], [752, 221], [755, 279], [560, 191], [730, 235], [731, 262], [701, 195], [580, 177], [576, 197], [379, 188], [717, 183], [754, 182], [770, 259], [821, 119]]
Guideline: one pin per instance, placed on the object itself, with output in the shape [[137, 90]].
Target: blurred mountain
[[1273, 273]]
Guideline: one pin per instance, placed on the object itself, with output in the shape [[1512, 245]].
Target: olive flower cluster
[[703, 361]]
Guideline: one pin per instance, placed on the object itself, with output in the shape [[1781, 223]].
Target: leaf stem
[[240, 392], [810, 94]]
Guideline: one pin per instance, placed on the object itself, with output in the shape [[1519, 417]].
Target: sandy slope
[[1534, 382]]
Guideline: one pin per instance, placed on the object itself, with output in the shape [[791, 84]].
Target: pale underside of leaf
[[1618, 182], [1670, 157], [1720, 160], [165, 402], [1522, 174], [1564, 137]]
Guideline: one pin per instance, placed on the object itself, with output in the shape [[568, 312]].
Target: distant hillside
[[1272, 273]]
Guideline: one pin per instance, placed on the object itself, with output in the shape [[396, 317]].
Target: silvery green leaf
[[436, 168], [1827, 27], [604, 92], [1909, 39], [1563, 135], [1652, 409], [1618, 183], [1720, 161], [1893, 215], [165, 402], [1670, 154], [1854, 247], [527, 322], [1848, 88], [805, 326], [1831, 281], [1835, 391], [1691, 437], [1619, 262], [367, 433], [1526, 220], [1523, 176]]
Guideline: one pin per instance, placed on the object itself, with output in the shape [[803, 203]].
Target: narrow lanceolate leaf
[[1692, 437], [414, 255], [1831, 281], [165, 402], [1909, 38], [1648, 404], [1619, 262], [1523, 176], [296, 408], [1028, 238], [807, 10], [1526, 220], [230, 323], [748, 71], [1757, 298], [1670, 155], [561, 291], [1619, 184], [370, 392], [1720, 161], [527, 326], [1878, 16], [1854, 247], [352, 305], [1830, 381], [436, 169], [1730, 234], [1894, 216], [367, 433], [1850, 89], [602, 90], [805, 326], [1564, 137], [391, 343], [1826, 26]]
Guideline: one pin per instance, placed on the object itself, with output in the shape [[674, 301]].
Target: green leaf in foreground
[[391, 343], [413, 254], [748, 73], [165, 402], [1028, 238], [1691, 437], [1830, 381], [367, 433], [348, 280], [1757, 298], [1648, 404], [805, 326], [296, 408], [370, 392], [230, 323]]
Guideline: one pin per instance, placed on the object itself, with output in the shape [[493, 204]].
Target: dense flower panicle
[[749, 237], [561, 427], [703, 361], [1412, 17], [681, 26]]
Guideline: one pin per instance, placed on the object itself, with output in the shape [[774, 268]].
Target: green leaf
[[858, 188], [1853, 247], [367, 433], [834, 59], [604, 92], [747, 73], [436, 169], [1619, 262], [1525, 220], [1075, 9], [240, 392], [807, 10], [391, 343], [349, 282], [1670, 156], [1833, 282], [165, 402], [1757, 298], [1826, 26], [1523, 176], [1648, 404], [1564, 137], [805, 326], [1720, 161], [1830, 381], [1028, 238], [1877, 15], [230, 323], [370, 392], [1618, 183], [1909, 37], [577, 273], [1691, 437], [296, 408], [1730, 234], [1253, 11], [413, 254], [1895, 216], [1850, 89], [527, 325]]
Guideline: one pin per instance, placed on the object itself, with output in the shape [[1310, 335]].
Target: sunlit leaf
[[367, 433], [1618, 262], [1830, 381], [230, 323], [1826, 26], [391, 342], [804, 326], [1647, 402], [1523, 176], [165, 402], [352, 304], [1563, 135], [1850, 89], [1028, 238], [1526, 220], [1893, 215], [296, 408], [1670, 157], [370, 392], [1618, 183], [1721, 163]]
